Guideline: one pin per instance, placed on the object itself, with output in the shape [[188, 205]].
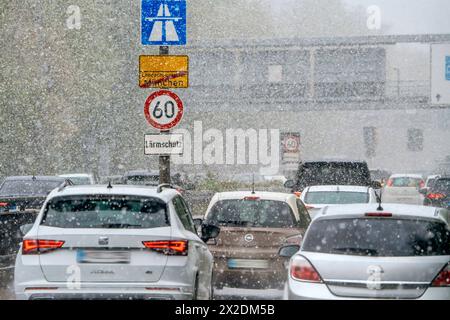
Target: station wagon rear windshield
[[336, 197], [378, 237], [250, 213], [106, 212]]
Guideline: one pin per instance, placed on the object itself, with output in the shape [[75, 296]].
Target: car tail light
[[378, 214], [302, 270], [443, 278], [436, 196], [171, 248], [3, 204], [33, 246], [252, 198]]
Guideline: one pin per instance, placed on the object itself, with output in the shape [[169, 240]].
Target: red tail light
[[443, 278], [251, 198], [172, 248], [32, 246], [378, 214], [436, 196], [3, 204], [302, 270]]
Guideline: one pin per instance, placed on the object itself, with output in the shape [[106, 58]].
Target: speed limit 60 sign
[[163, 109]]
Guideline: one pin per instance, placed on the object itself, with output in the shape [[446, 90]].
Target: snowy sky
[[402, 16]]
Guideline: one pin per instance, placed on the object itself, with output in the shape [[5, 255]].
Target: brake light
[[302, 270], [3, 204], [443, 278], [436, 196], [171, 248], [33, 246], [252, 198], [378, 214]]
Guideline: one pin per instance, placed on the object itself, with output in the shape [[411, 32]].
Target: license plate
[[247, 264], [103, 257]]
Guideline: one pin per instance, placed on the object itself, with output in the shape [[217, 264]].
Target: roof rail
[[66, 183], [162, 186]]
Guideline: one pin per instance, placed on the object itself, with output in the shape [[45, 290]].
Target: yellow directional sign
[[164, 71]]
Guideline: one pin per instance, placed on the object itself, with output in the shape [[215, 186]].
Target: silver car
[[114, 242], [361, 251]]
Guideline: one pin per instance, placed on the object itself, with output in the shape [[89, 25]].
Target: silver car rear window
[[336, 197], [106, 212], [378, 237]]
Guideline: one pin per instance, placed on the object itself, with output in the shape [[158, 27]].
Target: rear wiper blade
[[117, 225], [360, 250]]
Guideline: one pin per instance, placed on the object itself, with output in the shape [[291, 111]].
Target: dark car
[[334, 172], [438, 195], [20, 200]]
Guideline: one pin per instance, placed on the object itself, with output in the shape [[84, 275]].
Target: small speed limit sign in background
[[163, 109]]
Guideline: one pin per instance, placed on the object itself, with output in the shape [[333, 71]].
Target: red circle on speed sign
[[163, 109]]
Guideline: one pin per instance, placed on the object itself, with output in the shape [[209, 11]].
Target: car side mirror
[[423, 191], [209, 231], [376, 184], [288, 251], [25, 228], [289, 184], [198, 222]]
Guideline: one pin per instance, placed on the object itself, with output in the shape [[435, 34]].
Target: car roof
[[128, 190], [264, 195], [406, 175], [394, 208], [76, 175], [37, 178], [343, 188]]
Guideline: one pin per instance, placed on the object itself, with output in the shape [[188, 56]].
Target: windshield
[[378, 237], [336, 197], [442, 185], [406, 182], [106, 212], [143, 180], [28, 187], [251, 213], [317, 173]]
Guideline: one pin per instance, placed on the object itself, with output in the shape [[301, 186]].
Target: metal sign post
[[164, 161]]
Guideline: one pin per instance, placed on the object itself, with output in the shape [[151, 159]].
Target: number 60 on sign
[[163, 110]]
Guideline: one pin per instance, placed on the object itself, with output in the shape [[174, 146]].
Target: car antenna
[[253, 183], [380, 208], [109, 185]]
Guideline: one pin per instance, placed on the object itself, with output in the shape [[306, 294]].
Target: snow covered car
[[253, 227], [318, 197], [114, 242], [403, 188], [362, 251]]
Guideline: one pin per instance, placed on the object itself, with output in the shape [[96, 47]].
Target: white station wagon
[[114, 242]]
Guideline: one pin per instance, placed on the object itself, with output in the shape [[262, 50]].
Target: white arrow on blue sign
[[163, 22]]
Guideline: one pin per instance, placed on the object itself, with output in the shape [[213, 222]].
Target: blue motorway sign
[[163, 22], [447, 68]]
